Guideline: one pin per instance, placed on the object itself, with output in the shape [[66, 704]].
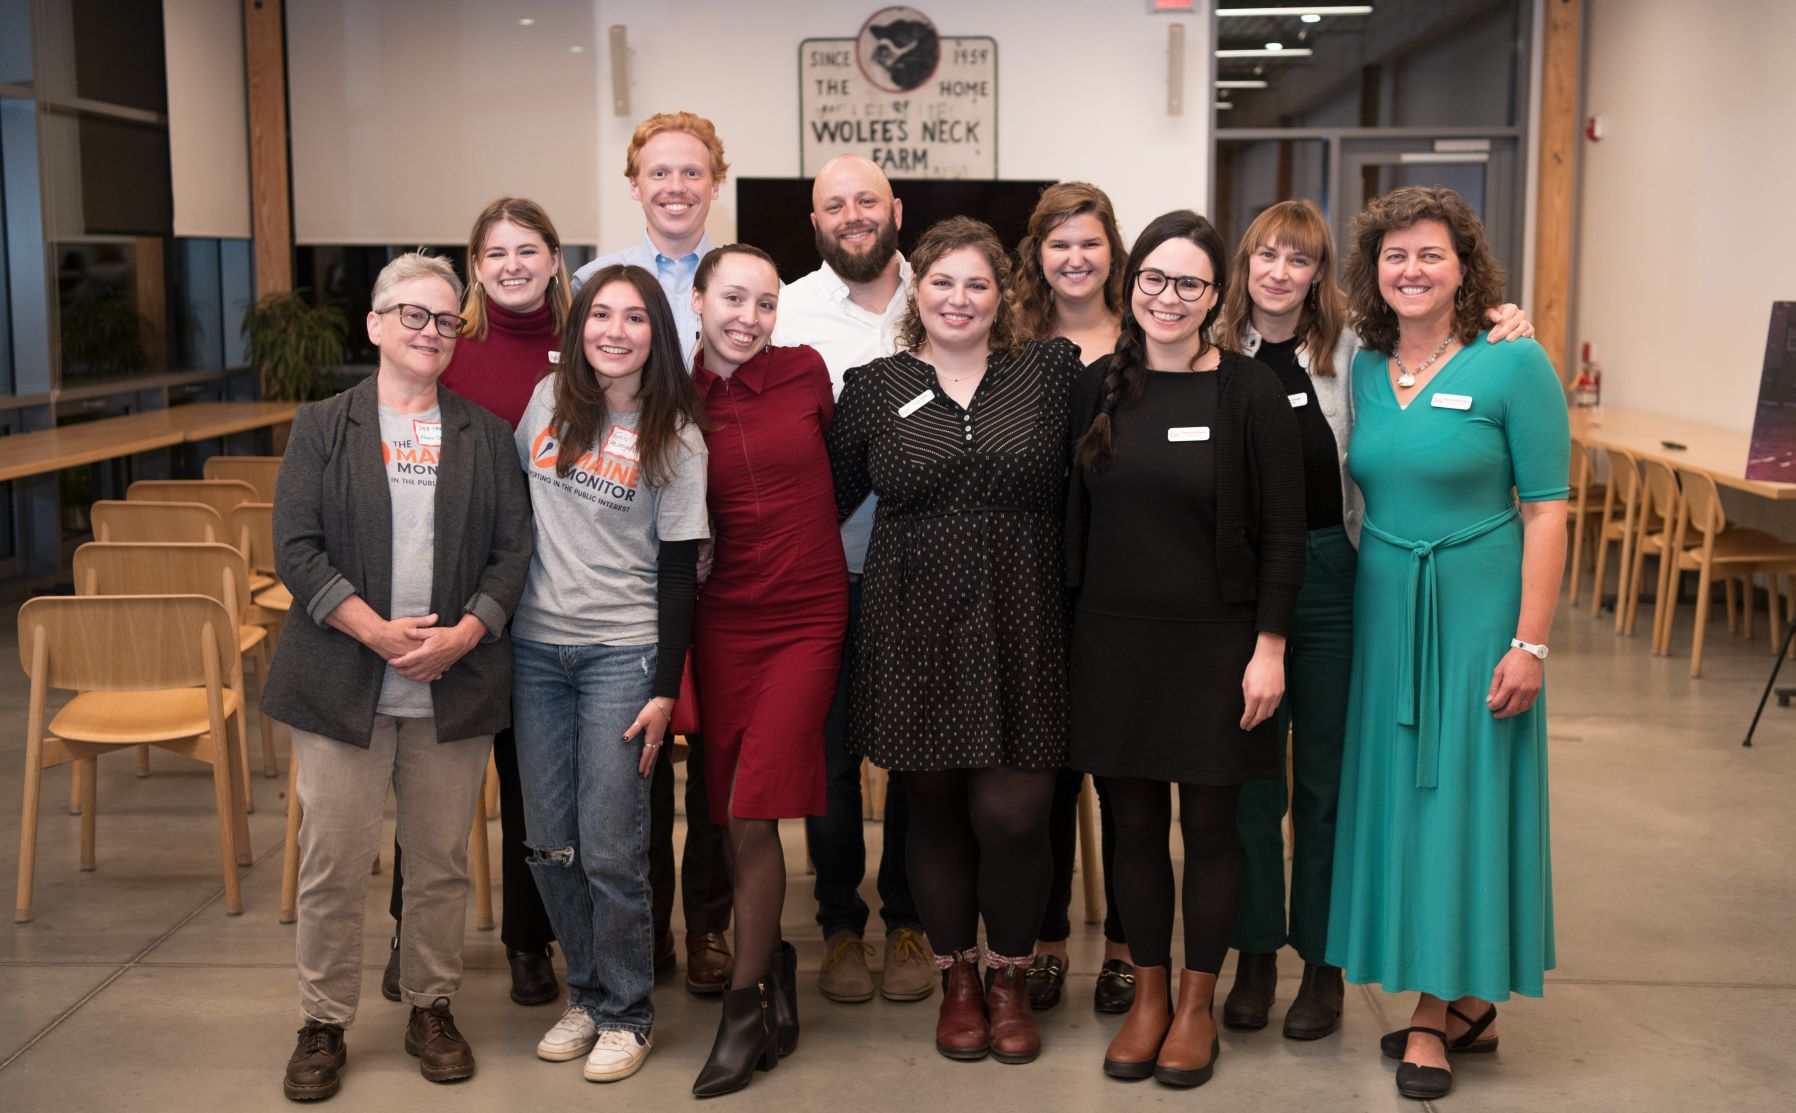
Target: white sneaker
[[573, 1036], [618, 1054]]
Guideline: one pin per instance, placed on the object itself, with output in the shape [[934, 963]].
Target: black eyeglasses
[[415, 317], [1188, 287]]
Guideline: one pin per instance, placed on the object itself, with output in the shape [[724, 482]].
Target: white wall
[[1081, 94], [1687, 216]]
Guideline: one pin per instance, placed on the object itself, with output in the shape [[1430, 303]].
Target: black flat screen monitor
[[774, 214]]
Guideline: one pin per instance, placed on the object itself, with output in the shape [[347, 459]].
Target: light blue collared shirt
[[675, 276]]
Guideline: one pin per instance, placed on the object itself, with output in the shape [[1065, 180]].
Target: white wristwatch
[[1539, 651]]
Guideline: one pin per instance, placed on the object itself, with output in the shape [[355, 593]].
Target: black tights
[[978, 845], [1212, 884], [758, 865]]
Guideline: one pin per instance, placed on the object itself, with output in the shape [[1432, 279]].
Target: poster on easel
[[1773, 452]]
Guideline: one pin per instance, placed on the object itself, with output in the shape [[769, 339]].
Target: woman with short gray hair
[[402, 528]]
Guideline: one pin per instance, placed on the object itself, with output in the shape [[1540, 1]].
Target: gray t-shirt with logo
[[410, 445], [599, 530]]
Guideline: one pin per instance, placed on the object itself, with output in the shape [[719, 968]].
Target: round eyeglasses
[[415, 317], [1188, 287]]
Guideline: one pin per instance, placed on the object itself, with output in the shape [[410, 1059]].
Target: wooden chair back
[[1659, 488], [252, 525], [119, 520], [1624, 476], [222, 495], [126, 643], [1581, 469], [1703, 501], [257, 471], [216, 571]]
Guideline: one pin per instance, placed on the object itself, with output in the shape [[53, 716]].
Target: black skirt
[[1162, 700]]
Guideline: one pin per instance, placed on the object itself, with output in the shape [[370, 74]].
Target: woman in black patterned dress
[[960, 675]]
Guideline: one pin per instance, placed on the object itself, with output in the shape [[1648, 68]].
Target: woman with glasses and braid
[[1185, 542]]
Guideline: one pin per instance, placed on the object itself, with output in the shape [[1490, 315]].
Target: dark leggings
[[1063, 823], [978, 846], [1144, 886]]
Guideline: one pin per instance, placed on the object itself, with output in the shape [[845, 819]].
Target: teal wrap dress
[[1443, 873]]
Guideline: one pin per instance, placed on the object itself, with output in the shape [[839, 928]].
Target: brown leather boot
[[961, 1030], [1015, 1037], [1133, 1052], [709, 963], [443, 1055], [1188, 1057], [314, 1071]]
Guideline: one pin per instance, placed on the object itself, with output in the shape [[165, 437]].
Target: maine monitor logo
[[611, 476]]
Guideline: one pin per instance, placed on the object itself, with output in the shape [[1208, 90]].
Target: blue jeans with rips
[[586, 810]]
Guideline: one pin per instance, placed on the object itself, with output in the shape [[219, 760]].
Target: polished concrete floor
[[1676, 990]]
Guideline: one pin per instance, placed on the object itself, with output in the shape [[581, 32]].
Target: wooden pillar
[[1556, 212], [151, 277], [265, 57]]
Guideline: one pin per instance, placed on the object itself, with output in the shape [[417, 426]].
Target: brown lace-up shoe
[[709, 963], [443, 1055], [314, 1071]]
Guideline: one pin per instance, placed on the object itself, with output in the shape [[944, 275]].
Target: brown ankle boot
[[1015, 1037], [1188, 1057], [1132, 1053], [961, 1029]]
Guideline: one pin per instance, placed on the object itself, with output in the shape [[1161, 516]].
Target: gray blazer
[[333, 538]]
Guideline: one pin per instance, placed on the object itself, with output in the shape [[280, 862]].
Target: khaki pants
[[343, 791]]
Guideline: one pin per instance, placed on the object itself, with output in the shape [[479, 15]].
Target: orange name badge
[[622, 444], [429, 433]]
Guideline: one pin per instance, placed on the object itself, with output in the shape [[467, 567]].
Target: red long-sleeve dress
[[767, 636]]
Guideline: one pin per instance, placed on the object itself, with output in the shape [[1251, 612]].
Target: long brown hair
[[949, 235], [1298, 225], [1060, 203], [669, 400], [1125, 372], [527, 215], [1479, 292]]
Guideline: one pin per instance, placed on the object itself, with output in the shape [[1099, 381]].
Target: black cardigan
[[1260, 533]]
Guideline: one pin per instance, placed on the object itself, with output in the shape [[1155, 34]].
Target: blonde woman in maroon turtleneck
[[516, 304]]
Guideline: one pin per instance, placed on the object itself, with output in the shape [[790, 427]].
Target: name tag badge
[[554, 357], [916, 403], [1188, 433], [1299, 399], [622, 444], [1452, 402], [429, 433]]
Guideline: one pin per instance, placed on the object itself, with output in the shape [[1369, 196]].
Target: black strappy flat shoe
[[1424, 1083], [1468, 1043]]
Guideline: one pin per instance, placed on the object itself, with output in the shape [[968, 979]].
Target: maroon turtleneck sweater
[[499, 372]]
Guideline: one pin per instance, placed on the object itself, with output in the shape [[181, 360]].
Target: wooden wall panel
[[1556, 212], [265, 57]]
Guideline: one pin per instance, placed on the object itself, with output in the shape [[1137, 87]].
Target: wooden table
[[108, 438], [1718, 453]]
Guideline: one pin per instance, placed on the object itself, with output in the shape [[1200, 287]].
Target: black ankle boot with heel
[[745, 1043], [782, 993]]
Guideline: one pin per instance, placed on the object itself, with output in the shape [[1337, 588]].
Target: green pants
[[1318, 664]]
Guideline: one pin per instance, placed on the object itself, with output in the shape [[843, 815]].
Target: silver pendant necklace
[[1406, 377]]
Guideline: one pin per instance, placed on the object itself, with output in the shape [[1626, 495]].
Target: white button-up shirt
[[817, 310], [675, 276]]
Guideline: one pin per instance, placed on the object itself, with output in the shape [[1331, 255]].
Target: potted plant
[[295, 344]]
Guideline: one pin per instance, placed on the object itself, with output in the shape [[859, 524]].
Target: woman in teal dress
[[1443, 880]]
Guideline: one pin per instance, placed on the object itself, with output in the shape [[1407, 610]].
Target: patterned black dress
[[961, 661]]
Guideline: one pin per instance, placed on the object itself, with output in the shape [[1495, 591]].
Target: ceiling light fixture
[[1293, 52], [526, 22], [1224, 104], [1240, 84], [1275, 47], [1311, 17]]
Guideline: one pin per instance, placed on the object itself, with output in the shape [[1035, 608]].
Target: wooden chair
[[120, 520], [252, 526], [1655, 526], [1621, 504], [1721, 549], [1582, 510], [222, 495], [146, 668], [257, 471], [217, 571]]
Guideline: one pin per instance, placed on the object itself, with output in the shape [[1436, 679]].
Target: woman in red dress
[[767, 636]]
